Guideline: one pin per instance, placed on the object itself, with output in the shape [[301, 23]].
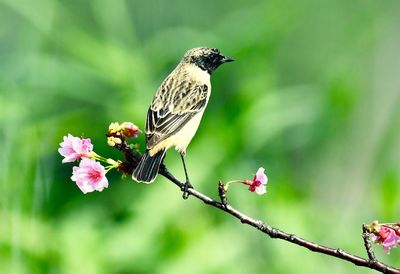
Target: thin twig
[[132, 157], [279, 234], [367, 243], [222, 193]]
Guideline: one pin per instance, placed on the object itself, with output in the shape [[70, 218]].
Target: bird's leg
[[187, 184]]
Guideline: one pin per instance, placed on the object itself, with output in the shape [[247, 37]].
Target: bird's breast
[[197, 74], [185, 135]]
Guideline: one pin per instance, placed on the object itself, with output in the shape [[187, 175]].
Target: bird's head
[[208, 59]]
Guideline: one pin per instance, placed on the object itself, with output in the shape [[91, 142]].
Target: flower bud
[[112, 141], [114, 127], [130, 130]]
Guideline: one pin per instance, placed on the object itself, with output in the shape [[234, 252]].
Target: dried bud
[[130, 130]]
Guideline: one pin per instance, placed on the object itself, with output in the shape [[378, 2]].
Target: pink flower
[[74, 148], [89, 176], [387, 237], [130, 130], [258, 183]]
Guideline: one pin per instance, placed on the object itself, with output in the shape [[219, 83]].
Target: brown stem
[[133, 157], [222, 193], [371, 263], [367, 243]]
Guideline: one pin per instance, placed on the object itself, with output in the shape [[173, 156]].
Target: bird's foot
[[185, 189]]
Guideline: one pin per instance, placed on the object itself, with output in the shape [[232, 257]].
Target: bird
[[176, 110]]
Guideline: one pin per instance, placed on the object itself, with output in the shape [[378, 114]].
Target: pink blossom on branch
[[74, 148], [387, 237], [258, 183], [89, 176]]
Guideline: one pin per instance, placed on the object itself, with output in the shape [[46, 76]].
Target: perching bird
[[176, 110]]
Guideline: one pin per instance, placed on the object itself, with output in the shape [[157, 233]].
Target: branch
[[371, 263], [387, 234], [132, 157]]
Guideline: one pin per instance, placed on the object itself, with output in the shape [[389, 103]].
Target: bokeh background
[[314, 97]]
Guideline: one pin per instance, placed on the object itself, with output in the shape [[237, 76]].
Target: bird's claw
[[185, 189]]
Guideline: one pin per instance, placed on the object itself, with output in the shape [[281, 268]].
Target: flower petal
[[89, 176], [260, 190], [260, 176], [74, 148]]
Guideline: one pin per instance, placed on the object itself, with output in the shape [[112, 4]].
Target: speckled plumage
[[175, 103], [177, 107]]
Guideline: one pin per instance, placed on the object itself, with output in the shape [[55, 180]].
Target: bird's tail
[[147, 169]]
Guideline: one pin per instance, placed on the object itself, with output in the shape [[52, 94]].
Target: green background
[[314, 97]]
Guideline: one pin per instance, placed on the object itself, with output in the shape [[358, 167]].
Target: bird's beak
[[226, 59]]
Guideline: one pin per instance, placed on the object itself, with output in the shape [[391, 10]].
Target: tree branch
[[133, 157], [371, 263]]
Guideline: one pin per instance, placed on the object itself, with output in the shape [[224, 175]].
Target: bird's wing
[[172, 107]]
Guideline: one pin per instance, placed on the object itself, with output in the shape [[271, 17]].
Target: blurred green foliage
[[314, 97]]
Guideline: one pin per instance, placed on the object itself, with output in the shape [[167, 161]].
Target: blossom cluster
[[90, 174], [387, 235]]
